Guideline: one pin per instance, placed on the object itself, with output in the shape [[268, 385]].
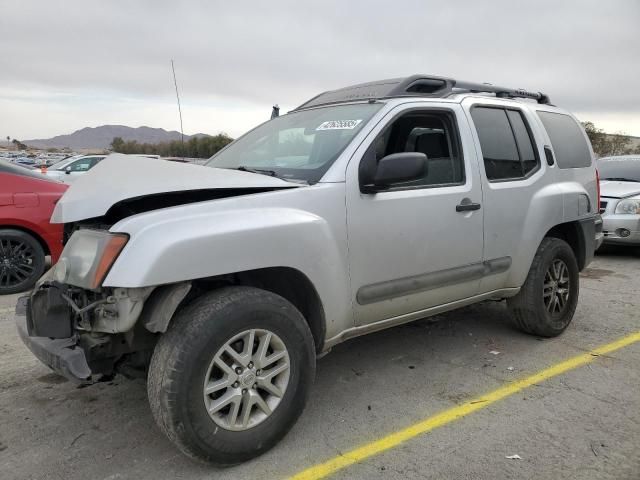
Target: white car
[[620, 199], [69, 169]]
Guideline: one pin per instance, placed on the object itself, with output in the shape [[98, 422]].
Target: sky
[[70, 64]]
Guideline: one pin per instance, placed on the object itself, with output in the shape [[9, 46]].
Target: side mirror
[[67, 170], [398, 167]]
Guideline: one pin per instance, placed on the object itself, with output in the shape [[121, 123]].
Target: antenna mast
[[175, 82]]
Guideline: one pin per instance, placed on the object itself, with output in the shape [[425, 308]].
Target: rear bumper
[[62, 355]]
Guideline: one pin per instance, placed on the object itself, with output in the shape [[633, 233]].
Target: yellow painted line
[[376, 447]]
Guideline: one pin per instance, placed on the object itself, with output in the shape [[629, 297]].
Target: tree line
[[195, 147], [609, 144]]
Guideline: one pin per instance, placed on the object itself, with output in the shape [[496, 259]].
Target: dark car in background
[[620, 199], [27, 199]]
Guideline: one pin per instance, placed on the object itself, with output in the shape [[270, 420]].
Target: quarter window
[[507, 147], [567, 139]]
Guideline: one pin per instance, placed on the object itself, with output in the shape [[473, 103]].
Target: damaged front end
[[83, 334], [82, 329]]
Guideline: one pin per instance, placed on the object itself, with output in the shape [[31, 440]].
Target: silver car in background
[[620, 199]]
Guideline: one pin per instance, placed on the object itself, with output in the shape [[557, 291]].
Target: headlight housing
[[87, 257], [628, 207]]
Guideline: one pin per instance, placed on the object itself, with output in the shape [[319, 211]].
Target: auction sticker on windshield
[[339, 125]]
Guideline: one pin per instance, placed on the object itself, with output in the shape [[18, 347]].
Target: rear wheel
[[22, 261], [547, 301], [232, 374]]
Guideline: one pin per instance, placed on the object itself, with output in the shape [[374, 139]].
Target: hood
[[119, 177], [617, 189]]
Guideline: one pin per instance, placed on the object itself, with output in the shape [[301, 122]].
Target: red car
[[26, 236]]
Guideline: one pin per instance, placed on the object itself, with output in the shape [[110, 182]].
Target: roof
[[416, 86]]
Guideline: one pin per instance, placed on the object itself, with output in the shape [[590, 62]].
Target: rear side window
[[568, 142], [507, 147]]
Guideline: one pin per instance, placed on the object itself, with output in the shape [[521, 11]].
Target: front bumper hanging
[[63, 355]]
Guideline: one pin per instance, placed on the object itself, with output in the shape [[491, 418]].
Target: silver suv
[[364, 208]]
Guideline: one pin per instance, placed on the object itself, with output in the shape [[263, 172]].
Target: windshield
[[297, 146], [623, 169]]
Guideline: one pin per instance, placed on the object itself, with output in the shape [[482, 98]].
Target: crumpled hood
[[616, 189], [120, 177]]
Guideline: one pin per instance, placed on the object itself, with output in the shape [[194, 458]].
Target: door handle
[[467, 205]]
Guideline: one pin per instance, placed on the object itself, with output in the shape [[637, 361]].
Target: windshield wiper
[[260, 171], [621, 179]]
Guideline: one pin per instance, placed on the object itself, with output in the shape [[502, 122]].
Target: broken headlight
[[87, 257]]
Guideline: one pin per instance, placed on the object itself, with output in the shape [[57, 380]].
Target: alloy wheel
[[246, 379], [17, 262], [556, 287]]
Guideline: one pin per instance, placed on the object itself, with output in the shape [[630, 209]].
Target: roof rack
[[417, 85]]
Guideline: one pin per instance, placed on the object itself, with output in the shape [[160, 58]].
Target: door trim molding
[[409, 317], [377, 292]]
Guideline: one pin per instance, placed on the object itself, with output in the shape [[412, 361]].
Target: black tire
[[182, 357], [22, 261], [529, 310]]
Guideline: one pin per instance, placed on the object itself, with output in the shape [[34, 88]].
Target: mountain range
[[102, 136]]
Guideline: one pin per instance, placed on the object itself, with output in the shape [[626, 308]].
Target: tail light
[[598, 189]]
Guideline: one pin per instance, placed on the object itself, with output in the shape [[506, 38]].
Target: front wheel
[[232, 374], [547, 301]]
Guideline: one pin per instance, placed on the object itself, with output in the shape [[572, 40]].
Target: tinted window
[[499, 150], [507, 147], [523, 140], [431, 133], [567, 139]]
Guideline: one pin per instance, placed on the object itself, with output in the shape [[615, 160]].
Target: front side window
[[507, 147], [430, 132], [567, 139], [297, 146], [81, 165]]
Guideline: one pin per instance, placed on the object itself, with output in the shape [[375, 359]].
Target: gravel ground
[[584, 424]]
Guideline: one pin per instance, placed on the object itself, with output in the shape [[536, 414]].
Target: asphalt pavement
[[580, 424]]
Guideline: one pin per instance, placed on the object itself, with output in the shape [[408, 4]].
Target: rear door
[[509, 153]]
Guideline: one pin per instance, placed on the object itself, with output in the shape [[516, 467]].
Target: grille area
[[603, 206]]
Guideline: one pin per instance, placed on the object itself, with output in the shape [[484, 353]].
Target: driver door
[[412, 247]]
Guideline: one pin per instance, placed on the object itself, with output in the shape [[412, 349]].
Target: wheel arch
[[289, 283], [572, 233]]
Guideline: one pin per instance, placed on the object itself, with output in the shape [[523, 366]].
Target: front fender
[[191, 242]]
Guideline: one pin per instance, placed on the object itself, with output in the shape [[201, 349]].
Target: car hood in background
[[616, 189], [122, 177]]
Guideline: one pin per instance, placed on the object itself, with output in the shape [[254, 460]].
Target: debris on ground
[[494, 352], [513, 457]]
